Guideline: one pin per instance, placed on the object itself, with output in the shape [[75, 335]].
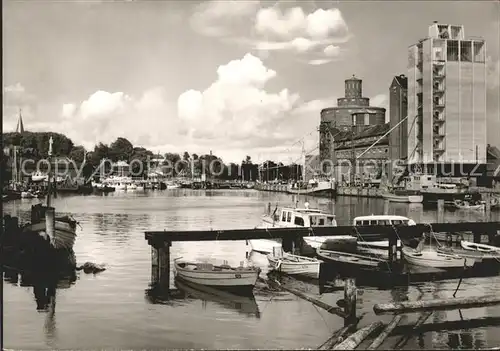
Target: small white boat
[[406, 198], [435, 259], [131, 186], [39, 176], [288, 217], [27, 195], [223, 276], [465, 205], [173, 186], [293, 264], [483, 248]]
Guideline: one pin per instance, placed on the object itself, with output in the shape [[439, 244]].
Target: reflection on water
[[110, 310]]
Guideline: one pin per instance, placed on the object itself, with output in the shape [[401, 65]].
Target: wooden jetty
[[161, 241]]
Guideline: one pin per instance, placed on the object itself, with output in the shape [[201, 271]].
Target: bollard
[[440, 211]]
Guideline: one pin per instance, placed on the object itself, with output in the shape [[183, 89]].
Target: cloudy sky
[[233, 77]]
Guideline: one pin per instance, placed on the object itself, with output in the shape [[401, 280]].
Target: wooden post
[[440, 211], [164, 265], [287, 244], [487, 198], [350, 301], [386, 206], [50, 223], [155, 265], [477, 236], [393, 244]]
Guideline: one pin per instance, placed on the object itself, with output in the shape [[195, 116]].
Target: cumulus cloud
[[145, 120], [312, 35], [221, 18], [380, 100], [237, 112]]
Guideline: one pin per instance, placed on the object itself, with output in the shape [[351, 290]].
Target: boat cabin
[[304, 217], [382, 220]]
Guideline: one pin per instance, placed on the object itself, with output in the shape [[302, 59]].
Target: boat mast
[[49, 173], [303, 161]]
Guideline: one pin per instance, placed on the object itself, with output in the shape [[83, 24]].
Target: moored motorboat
[[221, 276], [288, 217], [294, 264]]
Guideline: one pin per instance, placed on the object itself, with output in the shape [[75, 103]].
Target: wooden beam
[[421, 320], [449, 325], [331, 309], [357, 338], [385, 333], [437, 304], [404, 232]]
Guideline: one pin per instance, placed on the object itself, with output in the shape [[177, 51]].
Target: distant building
[[447, 99], [353, 114], [398, 110]]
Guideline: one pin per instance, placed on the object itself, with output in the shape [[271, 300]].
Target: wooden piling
[[164, 265], [350, 301], [50, 223], [402, 342], [440, 211], [155, 272], [437, 304], [487, 199], [357, 338], [386, 206], [379, 340]]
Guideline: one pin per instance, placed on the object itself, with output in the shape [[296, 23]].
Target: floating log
[[402, 342], [337, 337], [357, 338], [379, 340], [331, 309], [450, 325], [437, 304]]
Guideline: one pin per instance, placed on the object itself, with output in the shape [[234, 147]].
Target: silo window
[[478, 51], [466, 51], [452, 50]]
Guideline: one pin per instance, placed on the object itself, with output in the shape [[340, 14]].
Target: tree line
[[35, 146]]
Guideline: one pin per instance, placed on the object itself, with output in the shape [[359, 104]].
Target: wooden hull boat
[[65, 232], [465, 205], [483, 248], [264, 246], [414, 199], [293, 264], [242, 303], [348, 264], [435, 259], [223, 276]]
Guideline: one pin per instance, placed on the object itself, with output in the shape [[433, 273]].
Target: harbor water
[[113, 309]]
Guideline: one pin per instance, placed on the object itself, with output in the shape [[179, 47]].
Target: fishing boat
[[466, 205], [64, 234], [293, 264], [223, 276], [346, 263], [288, 217], [403, 195]]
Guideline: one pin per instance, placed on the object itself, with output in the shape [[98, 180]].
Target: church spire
[[20, 126]]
